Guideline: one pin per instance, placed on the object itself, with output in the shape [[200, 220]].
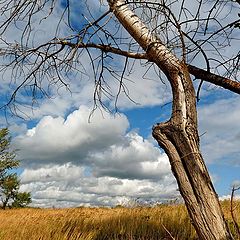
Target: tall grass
[[142, 223]]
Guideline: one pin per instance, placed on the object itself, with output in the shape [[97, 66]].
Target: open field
[[148, 223]]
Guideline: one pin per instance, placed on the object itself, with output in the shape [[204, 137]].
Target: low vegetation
[[148, 223]]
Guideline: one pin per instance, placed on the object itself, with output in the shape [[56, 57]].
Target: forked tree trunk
[[179, 136]]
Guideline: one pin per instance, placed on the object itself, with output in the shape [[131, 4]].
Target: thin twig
[[171, 236]]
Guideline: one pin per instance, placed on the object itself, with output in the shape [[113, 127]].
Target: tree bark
[[179, 135], [226, 83]]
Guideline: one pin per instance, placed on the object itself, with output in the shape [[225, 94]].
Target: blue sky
[[67, 161]]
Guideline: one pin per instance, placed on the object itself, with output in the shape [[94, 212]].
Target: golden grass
[[143, 223]]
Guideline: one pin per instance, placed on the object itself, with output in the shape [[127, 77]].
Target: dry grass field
[[148, 223]]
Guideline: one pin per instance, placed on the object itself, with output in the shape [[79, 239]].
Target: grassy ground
[[162, 222]]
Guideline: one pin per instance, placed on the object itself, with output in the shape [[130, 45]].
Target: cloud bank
[[70, 162]]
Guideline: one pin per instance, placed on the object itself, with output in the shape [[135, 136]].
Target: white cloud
[[69, 185], [136, 158], [68, 162], [227, 197], [220, 121], [103, 144], [59, 140], [67, 171]]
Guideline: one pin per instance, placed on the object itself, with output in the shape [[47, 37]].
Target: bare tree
[[167, 35]]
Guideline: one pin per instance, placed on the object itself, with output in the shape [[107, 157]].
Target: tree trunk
[[179, 136]]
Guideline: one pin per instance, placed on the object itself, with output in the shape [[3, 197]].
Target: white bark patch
[[182, 100], [139, 31]]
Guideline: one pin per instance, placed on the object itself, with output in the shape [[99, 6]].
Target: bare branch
[[33, 62], [105, 48], [226, 83]]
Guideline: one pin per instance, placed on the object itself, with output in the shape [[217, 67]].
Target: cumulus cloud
[[220, 123], [72, 162], [136, 158], [104, 144], [64, 140], [69, 161], [71, 185]]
